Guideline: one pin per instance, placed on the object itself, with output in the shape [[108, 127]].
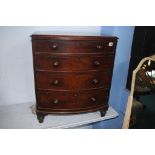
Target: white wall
[[16, 70]]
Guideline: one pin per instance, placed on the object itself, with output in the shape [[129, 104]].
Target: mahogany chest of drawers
[[72, 73]]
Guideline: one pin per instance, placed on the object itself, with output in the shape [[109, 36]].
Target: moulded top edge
[[68, 36]]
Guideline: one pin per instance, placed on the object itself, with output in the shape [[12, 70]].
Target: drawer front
[[72, 100], [69, 63], [93, 98], [88, 80], [64, 46], [55, 100]]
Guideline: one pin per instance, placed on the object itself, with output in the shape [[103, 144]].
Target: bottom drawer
[[72, 101]]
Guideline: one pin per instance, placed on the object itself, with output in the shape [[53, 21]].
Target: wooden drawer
[[93, 98], [62, 81], [64, 46], [72, 100], [73, 63]]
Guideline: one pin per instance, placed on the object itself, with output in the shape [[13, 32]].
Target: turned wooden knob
[[55, 82], [56, 101], [54, 46], [56, 63], [99, 46], [93, 99], [95, 81], [96, 63]]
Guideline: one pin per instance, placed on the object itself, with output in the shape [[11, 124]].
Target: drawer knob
[[95, 81], [56, 101], [93, 99], [56, 82], [99, 46], [96, 63], [56, 63], [54, 46]]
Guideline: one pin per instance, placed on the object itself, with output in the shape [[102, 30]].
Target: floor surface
[[20, 116]]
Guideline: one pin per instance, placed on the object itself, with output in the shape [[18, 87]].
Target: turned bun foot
[[40, 117], [102, 112]]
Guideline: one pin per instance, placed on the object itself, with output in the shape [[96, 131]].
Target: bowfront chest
[[72, 73]]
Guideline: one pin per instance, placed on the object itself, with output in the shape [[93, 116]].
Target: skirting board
[[20, 116]]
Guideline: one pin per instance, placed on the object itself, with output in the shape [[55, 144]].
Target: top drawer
[[69, 46]]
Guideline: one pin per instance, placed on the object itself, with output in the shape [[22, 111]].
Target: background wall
[[119, 93], [16, 72]]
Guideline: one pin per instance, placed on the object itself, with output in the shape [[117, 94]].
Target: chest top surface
[[70, 36]]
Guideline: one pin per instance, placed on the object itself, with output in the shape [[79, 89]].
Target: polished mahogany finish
[[72, 81], [72, 73], [76, 100], [73, 63], [59, 46]]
